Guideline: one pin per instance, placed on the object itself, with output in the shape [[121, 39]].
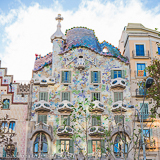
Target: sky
[[27, 25]]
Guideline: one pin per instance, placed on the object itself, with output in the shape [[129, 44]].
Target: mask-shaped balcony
[[80, 63], [43, 81], [64, 130], [65, 106], [118, 82], [120, 128], [96, 106], [96, 130], [119, 106], [42, 127], [42, 106], [63, 156]]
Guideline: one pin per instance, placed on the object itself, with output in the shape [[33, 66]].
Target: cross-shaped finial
[[59, 18]]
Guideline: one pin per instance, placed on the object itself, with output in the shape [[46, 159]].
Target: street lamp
[[148, 84]]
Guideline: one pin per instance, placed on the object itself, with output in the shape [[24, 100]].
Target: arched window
[[120, 147], [12, 127], [6, 103], [40, 145]]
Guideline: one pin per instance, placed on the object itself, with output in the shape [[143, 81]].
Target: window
[[119, 146], [146, 133], [117, 74], [141, 69], [66, 96], [4, 127], [12, 127], [141, 88], [65, 120], [139, 50], [119, 118], [40, 145], [43, 96], [6, 103], [10, 151], [159, 50], [96, 96], [144, 110], [64, 146], [42, 118], [118, 96], [95, 77], [96, 147], [66, 76], [96, 120]]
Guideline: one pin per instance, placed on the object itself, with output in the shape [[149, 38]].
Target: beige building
[[141, 45], [13, 114]]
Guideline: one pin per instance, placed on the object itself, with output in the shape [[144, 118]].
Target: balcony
[[119, 128], [64, 130], [140, 74], [80, 63], [143, 55], [119, 106], [64, 156], [42, 106], [150, 144], [65, 106], [96, 130], [96, 106], [118, 82], [97, 155], [145, 117], [140, 92], [43, 81], [42, 127]]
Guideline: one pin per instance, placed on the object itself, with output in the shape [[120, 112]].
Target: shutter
[[45, 119], [4, 153], [58, 146], [71, 146], [62, 96], [99, 76], [102, 146], [15, 153], [39, 118], [98, 96], [91, 76], [123, 74], [112, 74], [115, 96], [62, 76], [45, 96], [89, 146], [68, 96], [99, 120], [62, 120], [121, 96], [92, 96], [137, 50], [151, 134], [68, 121], [94, 121], [69, 76]]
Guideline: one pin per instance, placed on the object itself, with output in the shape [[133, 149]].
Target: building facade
[[141, 45], [13, 114], [79, 69]]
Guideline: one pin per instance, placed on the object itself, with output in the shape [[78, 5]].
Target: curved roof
[[84, 37]]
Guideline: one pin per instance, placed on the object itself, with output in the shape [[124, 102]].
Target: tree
[[154, 91]]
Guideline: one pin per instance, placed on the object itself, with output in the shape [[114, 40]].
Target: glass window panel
[[45, 147], [36, 147], [62, 146], [159, 50]]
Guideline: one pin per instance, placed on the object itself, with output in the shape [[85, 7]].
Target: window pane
[[95, 77], [44, 148], [140, 69], [36, 147], [159, 50], [139, 50], [95, 96], [6, 103]]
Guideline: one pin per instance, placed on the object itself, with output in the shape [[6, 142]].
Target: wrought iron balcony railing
[[141, 55]]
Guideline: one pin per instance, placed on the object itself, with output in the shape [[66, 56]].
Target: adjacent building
[[13, 114], [141, 45]]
